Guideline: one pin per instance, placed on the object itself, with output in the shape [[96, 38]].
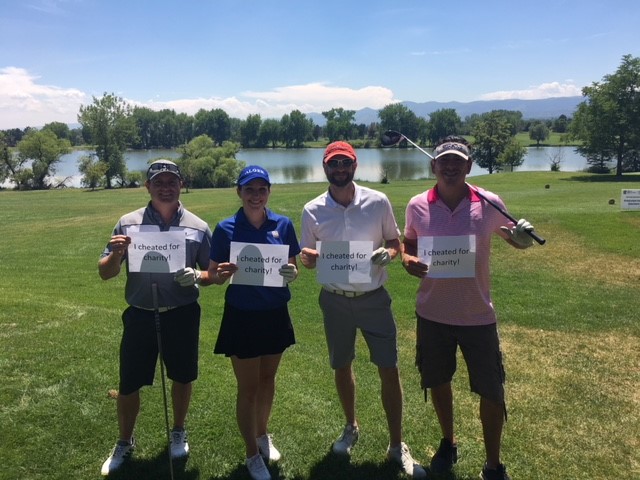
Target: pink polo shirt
[[456, 301]]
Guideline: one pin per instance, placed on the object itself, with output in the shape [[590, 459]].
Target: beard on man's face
[[340, 178]]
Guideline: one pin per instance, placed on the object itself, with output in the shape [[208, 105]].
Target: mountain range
[[542, 109]]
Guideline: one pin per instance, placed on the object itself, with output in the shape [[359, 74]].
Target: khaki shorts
[[371, 314], [436, 349]]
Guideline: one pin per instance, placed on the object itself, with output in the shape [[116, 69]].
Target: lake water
[[305, 165]]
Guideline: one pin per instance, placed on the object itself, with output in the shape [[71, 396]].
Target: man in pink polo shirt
[[447, 242]]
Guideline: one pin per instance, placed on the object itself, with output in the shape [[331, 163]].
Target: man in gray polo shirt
[[177, 302], [349, 212]]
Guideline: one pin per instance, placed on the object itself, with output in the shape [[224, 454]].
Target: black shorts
[[253, 333], [179, 333], [436, 348]]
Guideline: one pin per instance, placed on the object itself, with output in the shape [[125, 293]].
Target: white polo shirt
[[369, 217]]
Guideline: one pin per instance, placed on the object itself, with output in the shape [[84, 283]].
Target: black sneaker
[[499, 473], [445, 457]]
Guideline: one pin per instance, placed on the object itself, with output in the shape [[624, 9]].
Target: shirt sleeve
[[308, 239], [292, 239], [390, 228], [409, 230], [220, 245]]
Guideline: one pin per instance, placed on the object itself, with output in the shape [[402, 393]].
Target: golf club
[[391, 137], [156, 313]]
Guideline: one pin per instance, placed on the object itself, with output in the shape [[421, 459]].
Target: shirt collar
[[155, 214], [242, 218], [433, 197], [354, 201]]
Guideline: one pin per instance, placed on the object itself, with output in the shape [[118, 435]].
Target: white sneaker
[[257, 469], [266, 448], [349, 437], [121, 452], [179, 444], [402, 456]]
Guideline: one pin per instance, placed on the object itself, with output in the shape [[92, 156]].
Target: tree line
[[607, 124]]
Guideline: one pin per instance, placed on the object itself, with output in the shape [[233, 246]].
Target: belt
[[160, 309], [345, 293]]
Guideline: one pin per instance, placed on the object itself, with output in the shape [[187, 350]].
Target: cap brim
[[340, 153], [155, 174], [250, 178], [452, 152]]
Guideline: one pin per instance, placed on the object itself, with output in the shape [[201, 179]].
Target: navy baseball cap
[[252, 172]]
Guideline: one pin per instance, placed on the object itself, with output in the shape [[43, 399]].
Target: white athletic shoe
[[179, 444], [346, 441], [402, 456], [266, 448], [257, 469], [121, 452]]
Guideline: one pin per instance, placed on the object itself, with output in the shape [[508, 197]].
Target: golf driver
[[156, 313], [391, 137]]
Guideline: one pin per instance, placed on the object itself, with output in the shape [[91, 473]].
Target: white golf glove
[[289, 272], [519, 233], [381, 257], [187, 277]]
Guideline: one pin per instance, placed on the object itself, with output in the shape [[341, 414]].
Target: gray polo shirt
[[198, 244]]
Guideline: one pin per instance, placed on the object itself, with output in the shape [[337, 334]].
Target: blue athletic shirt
[[276, 230]]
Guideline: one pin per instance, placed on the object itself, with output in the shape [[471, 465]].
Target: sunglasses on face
[[345, 162], [163, 167]]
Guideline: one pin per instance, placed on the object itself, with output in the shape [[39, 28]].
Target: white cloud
[[24, 102], [312, 97], [545, 90]]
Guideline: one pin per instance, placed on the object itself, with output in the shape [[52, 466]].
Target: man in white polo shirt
[[454, 306], [349, 212]]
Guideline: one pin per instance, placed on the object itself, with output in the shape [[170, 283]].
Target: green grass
[[555, 140], [568, 320]]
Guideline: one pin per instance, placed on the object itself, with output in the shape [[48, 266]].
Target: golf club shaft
[[418, 147], [531, 233], [156, 313]]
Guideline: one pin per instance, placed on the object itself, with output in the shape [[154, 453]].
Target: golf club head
[[390, 138]]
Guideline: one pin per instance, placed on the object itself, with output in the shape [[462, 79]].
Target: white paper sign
[[448, 257], [630, 199], [258, 263], [157, 252], [344, 262]]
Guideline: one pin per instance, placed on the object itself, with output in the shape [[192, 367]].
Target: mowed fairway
[[569, 321]]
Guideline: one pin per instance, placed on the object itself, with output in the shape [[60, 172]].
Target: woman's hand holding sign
[[221, 272]]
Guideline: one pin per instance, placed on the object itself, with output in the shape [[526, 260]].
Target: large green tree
[[296, 128], [443, 122], [340, 124], [250, 131], [92, 171], [398, 117], [492, 135], [270, 133], [204, 165], [538, 132], [111, 127], [215, 123], [608, 121], [43, 149]]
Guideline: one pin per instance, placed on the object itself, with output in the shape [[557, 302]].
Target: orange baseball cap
[[339, 148]]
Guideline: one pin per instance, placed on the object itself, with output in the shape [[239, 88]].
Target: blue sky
[[271, 57]]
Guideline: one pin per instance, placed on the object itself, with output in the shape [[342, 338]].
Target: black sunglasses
[[163, 167], [345, 162]]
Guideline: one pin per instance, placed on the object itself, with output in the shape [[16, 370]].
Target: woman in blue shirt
[[256, 327]]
